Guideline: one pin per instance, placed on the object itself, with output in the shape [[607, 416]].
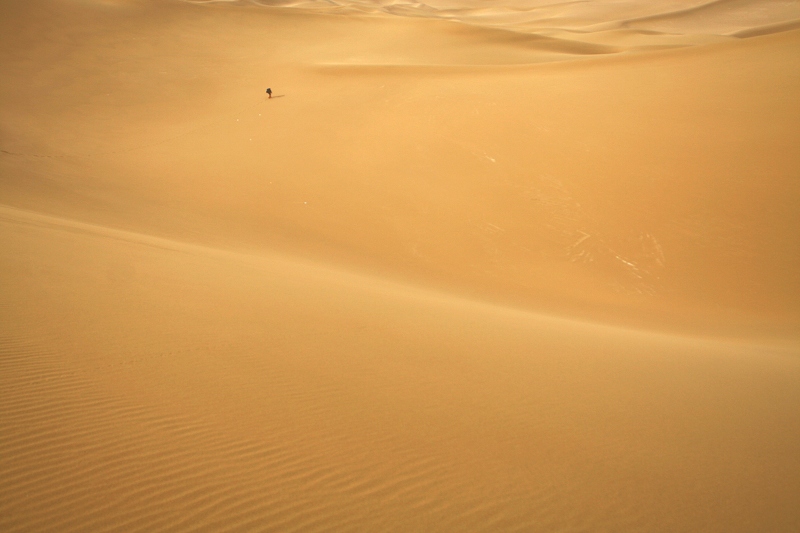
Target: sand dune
[[532, 16], [507, 266], [722, 16], [179, 387]]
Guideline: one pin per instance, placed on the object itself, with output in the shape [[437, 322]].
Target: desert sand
[[518, 265]]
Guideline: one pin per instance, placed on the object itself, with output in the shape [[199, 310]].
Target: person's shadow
[[276, 96]]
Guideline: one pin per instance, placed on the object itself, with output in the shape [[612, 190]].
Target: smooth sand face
[[476, 266]]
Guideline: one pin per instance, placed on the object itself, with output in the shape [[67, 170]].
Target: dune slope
[[528, 267]]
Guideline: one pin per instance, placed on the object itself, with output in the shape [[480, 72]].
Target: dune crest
[[661, 19]]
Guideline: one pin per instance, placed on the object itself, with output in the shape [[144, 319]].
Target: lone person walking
[[269, 92]]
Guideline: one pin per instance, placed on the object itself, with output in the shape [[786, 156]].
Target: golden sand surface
[[510, 265]]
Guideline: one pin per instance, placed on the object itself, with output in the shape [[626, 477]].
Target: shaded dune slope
[[723, 16], [700, 16], [204, 390]]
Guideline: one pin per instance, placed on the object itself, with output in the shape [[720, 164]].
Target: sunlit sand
[[517, 265]]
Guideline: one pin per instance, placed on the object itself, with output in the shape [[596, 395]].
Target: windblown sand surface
[[517, 265]]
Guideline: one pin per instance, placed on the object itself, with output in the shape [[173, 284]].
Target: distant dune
[[475, 266]]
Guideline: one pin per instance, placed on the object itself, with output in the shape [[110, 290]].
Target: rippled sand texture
[[477, 266]]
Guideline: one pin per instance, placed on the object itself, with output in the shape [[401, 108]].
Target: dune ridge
[[717, 17]]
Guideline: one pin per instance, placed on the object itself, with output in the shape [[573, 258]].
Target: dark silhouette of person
[[269, 92]]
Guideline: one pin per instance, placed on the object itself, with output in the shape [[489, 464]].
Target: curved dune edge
[[387, 288], [768, 29]]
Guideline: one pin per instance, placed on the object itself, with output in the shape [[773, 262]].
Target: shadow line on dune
[[370, 282]]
